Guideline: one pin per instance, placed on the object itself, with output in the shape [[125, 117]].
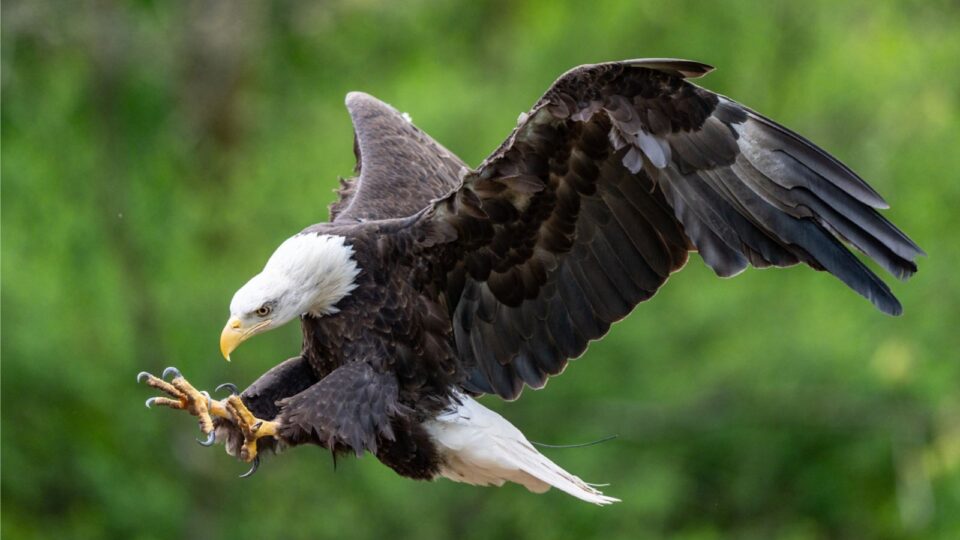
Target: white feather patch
[[308, 273], [482, 448]]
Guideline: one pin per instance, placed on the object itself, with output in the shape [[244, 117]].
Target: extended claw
[[211, 439], [253, 468], [229, 386], [183, 396], [252, 428]]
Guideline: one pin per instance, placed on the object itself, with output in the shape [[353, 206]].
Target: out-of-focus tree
[[154, 153]]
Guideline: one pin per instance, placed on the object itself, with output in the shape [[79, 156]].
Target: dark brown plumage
[[597, 196], [486, 280]]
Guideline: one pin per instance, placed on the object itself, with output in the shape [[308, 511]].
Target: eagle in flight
[[434, 283]]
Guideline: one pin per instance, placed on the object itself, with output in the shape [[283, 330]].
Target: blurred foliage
[[154, 153]]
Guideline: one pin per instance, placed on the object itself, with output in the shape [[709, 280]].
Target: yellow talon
[[253, 428], [185, 397]]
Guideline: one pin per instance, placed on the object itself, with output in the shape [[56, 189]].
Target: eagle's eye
[[264, 310]]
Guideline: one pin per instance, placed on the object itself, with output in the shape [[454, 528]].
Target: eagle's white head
[[308, 274]]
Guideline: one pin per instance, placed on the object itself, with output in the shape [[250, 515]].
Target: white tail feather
[[482, 448]]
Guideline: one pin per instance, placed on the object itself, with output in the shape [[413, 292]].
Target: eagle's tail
[[480, 447]]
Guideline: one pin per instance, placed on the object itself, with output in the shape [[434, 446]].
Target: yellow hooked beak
[[235, 333]]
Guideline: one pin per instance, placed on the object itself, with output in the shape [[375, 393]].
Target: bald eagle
[[434, 283]]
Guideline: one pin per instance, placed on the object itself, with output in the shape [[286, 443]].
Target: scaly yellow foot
[[184, 396], [253, 428]]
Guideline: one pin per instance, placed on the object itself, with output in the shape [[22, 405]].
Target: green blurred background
[[154, 153]]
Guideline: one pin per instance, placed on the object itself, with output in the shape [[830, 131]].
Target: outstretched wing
[[400, 169], [601, 191]]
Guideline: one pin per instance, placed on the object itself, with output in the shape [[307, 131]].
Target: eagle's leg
[[260, 401], [184, 396], [252, 428]]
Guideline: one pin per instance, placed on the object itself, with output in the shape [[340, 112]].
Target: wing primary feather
[[864, 215], [766, 133], [860, 225]]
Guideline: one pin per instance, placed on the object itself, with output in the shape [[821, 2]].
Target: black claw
[[142, 376], [229, 386], [211, 438], [171, 371], [253, 468]]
